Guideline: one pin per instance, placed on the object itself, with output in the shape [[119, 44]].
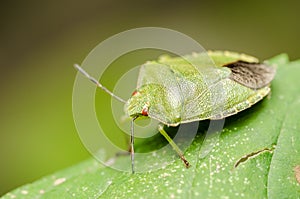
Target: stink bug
[[176, 90]]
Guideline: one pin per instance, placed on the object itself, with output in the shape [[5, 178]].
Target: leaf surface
[[255, 157]]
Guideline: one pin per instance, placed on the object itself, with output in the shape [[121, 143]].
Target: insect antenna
[[132, 143], [98, 83]]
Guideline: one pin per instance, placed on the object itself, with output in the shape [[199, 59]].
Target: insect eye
[[145, 110], [135, 93]]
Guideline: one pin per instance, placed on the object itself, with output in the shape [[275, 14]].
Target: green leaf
[[255, 157]]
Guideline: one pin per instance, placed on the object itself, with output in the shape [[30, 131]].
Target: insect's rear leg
[[126, 152], [123, 153], [175, 147]]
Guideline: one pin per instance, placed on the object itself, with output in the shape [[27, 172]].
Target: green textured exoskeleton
[[175, 90]]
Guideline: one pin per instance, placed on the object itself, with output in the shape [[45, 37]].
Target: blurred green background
[[41, 40]]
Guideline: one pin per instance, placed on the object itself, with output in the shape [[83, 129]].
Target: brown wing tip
[[251, 74]]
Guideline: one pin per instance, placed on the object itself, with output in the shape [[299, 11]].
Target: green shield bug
[[176, 90]]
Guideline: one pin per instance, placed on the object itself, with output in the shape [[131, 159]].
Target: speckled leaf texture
[[257, 156]]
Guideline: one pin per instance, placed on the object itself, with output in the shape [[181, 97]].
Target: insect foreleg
[[132, 144], [175, 147]]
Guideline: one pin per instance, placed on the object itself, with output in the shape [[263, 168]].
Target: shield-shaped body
[[198, 87]]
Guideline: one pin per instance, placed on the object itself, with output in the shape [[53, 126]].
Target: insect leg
[[175, 147], [132, 144]]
